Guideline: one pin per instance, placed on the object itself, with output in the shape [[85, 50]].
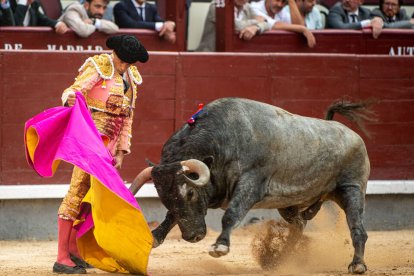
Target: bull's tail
[[358, 112]]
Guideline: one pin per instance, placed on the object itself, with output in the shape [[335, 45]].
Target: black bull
[[242, 154]]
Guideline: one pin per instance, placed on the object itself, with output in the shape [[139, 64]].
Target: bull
[[242, 154]]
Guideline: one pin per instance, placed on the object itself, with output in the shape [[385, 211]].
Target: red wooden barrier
[[174, 84], [44, 38], [390, 42]]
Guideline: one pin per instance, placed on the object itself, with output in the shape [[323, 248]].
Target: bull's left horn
[[140, 180], [199, 168]]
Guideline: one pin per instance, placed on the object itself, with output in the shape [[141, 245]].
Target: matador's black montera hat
[[128, 48]]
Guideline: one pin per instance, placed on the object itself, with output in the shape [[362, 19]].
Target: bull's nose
[[194, 238], [198, 238]]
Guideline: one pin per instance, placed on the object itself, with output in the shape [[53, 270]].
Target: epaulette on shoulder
[[135, 75], [103, 64]]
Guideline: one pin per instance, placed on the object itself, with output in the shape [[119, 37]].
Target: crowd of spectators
[[251, 18], [87, 16]]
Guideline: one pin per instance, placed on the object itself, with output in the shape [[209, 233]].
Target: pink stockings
[[66, 242]]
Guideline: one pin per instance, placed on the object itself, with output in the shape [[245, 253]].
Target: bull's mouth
[[192, 231]]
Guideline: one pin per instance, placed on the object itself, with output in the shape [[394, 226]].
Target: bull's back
[[301, 157], [255, 125]]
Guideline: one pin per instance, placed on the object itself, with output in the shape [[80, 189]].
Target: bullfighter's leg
[[352, 200], [163, 229], [244, 198]]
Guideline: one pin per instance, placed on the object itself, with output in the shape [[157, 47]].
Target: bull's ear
[[208, 161]]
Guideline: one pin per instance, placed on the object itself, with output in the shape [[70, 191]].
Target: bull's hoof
[[218, 250], [360, 268], [155, 243]]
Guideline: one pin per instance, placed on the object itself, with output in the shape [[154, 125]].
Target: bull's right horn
[[140, 180], [199, 168]]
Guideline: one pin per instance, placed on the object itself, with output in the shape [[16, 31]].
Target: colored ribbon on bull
[[113, 234], [193, 117]]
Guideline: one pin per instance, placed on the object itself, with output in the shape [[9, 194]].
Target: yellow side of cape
[[120, 229]]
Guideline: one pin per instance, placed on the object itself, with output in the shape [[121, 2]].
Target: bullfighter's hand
[[119, 158], [71, 100]]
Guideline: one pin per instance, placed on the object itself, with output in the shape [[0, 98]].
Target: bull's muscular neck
[[215, 128], [218, 196]]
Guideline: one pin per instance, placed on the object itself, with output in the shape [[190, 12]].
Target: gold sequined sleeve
[[124, 142], [86, 79]]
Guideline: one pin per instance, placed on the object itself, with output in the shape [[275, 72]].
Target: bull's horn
[[199, 168], [140, 180]]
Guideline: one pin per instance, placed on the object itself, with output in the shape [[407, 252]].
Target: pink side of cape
[[69, 134]]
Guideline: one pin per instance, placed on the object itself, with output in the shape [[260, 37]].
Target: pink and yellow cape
[[112, 233]]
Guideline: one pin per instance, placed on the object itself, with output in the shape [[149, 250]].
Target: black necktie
[[141, 11], [391, 19], [354, 18]]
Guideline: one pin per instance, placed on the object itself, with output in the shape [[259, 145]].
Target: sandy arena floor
[[328, 252]]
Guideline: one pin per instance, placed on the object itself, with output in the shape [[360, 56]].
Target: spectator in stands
[[187, 19], [279, 18], [84, 19], [246, 22], [27, 13], [142, 15], [349, 14], [6, 14], [109, 83], [393, 15], [310, 16]]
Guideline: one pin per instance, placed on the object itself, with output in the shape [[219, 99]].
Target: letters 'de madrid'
[[56, 47]]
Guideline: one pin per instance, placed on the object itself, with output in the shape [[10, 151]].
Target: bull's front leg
[[243, 200], [163, 229]]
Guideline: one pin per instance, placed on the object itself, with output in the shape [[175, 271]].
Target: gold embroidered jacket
[[103, 88]]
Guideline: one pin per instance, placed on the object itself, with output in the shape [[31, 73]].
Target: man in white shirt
[[272, 10], [310, 14], [279, 18], [84, 19], [246, 22]]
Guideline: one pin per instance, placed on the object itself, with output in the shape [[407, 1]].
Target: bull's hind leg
[[352, 200]]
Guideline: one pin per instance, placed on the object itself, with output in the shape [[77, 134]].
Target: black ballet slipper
[[65, 269], [79, 262]]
